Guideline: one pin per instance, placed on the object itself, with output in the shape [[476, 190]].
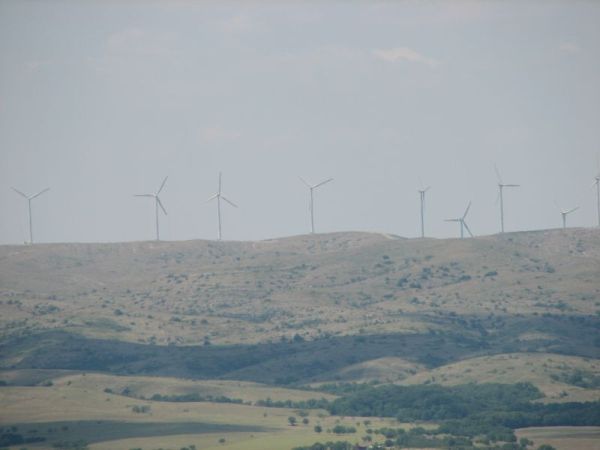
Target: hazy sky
[[101, 99]]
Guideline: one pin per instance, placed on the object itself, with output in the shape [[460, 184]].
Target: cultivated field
[[564, 438]]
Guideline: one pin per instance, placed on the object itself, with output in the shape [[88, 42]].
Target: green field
[[95, 416]]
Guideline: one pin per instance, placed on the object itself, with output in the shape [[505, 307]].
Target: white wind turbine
[[157, 204], [501, 187], [311, 205], [29, 198], [422, 192], [219, 195], [564, 213], [597, 184], [462, 222]]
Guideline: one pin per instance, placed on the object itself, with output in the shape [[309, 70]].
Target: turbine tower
[[311, 208], [597, 184], [29, 198], [157, 204], [463, 223], [501, 187], [219, 195], [422, 192]]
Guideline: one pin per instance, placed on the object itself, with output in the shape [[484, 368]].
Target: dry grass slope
[[189, 293]]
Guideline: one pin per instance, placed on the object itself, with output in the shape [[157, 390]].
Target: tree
[[318, 428], [292, 420], [524, 442]]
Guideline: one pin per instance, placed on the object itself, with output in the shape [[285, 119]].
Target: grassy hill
[[559, 377], [186, 293], [82, 324], [325, 301]]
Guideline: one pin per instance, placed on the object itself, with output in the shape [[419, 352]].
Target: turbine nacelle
[[569, 211]]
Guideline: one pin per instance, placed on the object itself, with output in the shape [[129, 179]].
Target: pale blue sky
[[101, 99]]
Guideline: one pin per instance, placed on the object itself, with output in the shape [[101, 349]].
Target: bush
[[140, 409], [341, 429]]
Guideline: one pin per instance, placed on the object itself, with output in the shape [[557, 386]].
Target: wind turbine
[[597, 184], [219, 195], [157, 204], [462, 222], [422, 192], [29, 198], [501, 187], [312, 188], [564, 213]]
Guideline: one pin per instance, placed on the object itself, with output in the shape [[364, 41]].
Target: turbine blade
[[322, 183], [571, 210], [161, 205], [19, 192], [305, 182], [220, 183], [497, 197], [39, 193], [466, 211], [467, 227], [512, 185], [162, 185], [212, 198], [557, 205], [452, 220], [498, 174], [229, 201]]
